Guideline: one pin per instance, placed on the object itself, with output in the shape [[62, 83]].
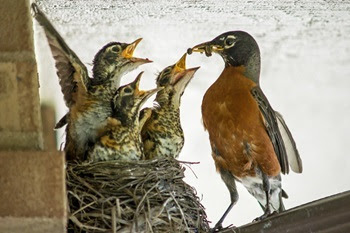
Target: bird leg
[[266, 187], [218, 225], [229, 180]]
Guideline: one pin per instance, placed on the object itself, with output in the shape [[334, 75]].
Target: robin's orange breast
[[236, 129]]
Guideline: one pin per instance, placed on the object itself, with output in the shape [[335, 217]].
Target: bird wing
[[72, 73], [144, 121], [145, 114], [272, 128], [292, 151], [62, 122]]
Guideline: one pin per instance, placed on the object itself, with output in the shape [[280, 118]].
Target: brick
[[16, 26], [20, 124], [32, 184], [9, 119]]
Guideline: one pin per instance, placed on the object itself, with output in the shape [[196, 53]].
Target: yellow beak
[[180, 66], [129, 50]]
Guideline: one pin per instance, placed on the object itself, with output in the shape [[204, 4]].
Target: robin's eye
[[229, 41], [116, 48], [127, 90]]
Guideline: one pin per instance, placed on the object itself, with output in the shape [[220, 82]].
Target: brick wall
[[20, 121], [32, 181]]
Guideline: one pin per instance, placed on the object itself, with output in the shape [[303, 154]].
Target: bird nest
[[142, 196]]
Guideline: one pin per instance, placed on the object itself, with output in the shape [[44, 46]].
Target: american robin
[[88, 99], [120, 139], [250, 142], [162, 134]]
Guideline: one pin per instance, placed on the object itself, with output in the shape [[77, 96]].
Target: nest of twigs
[[142, 196]]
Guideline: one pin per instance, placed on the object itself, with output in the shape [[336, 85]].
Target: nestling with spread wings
[[88, 99]]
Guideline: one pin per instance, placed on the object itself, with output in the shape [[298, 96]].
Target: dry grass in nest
[[142, 196]]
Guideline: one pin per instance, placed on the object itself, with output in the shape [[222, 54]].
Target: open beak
[[136, 82], [180, 66], [184, 78], [144, 95], [179, 69], [208, 48], [128, 52]]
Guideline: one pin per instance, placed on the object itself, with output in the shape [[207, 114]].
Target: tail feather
[[292, 152]]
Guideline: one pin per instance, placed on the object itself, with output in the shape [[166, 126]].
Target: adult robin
[[88, 99], [250, 142], [120, 139], [162, 134]]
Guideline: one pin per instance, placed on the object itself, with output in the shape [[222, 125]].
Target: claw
[[265, 215], [216, 228], [219, 228]]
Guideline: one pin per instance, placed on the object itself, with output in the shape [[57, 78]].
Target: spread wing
[[272, 128], [72, 73]]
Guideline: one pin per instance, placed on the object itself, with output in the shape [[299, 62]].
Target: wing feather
[[272, 128], [66, 61]]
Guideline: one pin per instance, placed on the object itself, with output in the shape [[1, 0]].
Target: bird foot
[[219, 228], [216, 228], [265, 215]]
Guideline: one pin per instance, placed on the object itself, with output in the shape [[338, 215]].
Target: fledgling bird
[[250, 142], [121, 138], [88, 99], [162, 134]]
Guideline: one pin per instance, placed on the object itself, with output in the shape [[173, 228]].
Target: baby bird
[[120, 139], [88, 99], [162, 134]]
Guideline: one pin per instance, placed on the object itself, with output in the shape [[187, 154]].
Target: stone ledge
[[30, 225], [20, 140]]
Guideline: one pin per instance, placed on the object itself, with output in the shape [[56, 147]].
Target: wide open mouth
[[129, 50]]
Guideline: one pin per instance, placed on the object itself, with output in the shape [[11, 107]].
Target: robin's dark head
[[128, 100], [237, 48], [116, 59], [174, 80]]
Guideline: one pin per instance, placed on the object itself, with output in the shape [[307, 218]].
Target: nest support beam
[[327, 215]]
